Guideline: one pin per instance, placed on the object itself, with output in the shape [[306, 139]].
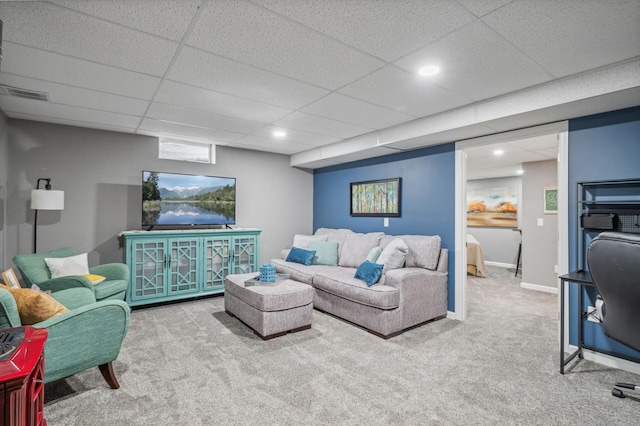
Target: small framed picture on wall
[[9, 278]]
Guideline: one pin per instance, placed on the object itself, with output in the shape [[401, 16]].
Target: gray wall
[[539, 243], [100, 172], [4, 163], [499, 245]]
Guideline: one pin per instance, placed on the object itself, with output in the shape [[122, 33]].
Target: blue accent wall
[[601, 147], [427, 197]]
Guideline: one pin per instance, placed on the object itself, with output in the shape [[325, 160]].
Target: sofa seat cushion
[[341, 282], [296, 271], [110, 289]]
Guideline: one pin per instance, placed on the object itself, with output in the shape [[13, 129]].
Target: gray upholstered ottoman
[[272, 310]]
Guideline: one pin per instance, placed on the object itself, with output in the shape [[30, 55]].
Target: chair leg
[[109, 375]]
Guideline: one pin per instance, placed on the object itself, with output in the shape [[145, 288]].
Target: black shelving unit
[[612, 205]]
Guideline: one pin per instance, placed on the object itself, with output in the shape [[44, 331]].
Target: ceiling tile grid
[[344, 108], [218, 103], [213, 72], [477, 62], [48, 66], [570, 36], [252, 35], [48, 27], [316, 124], [165, 18], [404, 92], [329, 72], [384, 29]]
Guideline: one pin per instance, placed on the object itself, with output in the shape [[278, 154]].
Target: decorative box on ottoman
[[270, 310]]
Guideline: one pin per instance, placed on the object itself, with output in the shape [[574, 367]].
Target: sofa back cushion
[[302, 241], [356, 248], [424, 250], [337, 235]]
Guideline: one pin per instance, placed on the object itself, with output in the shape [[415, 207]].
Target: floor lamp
[[44, 199]]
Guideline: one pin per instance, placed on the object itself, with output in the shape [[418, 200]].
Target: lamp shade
[[47, 199]]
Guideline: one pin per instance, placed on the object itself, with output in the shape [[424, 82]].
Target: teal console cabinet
[[179, 264]]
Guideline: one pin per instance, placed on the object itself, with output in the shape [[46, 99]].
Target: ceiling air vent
[[24, 93]]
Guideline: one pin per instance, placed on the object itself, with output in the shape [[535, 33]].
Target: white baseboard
[[500, 265], [452, 315], [538, 287], [608, 360]]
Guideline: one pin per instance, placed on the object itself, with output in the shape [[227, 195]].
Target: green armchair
[[89, 335], [34, 270]]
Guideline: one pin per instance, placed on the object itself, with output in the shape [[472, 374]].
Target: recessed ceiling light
[[428, 71], [279, 133], [498, 151], [520, 171]]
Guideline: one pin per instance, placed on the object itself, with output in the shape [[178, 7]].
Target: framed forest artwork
[[376, 198]]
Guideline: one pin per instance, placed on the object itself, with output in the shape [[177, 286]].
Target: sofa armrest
[[113, 271], [63, 283], [423, 294], [443, 261], [73, 298]]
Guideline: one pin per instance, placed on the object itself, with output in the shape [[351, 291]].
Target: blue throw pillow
[[369, 272], [299, 255]]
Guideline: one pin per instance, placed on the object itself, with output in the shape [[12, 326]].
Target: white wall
[[499, 245], [539, 243], [101, 171]]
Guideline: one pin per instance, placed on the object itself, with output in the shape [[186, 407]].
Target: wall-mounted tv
[[174, 199]]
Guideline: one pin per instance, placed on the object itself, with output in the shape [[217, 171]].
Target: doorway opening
[[534, 149]]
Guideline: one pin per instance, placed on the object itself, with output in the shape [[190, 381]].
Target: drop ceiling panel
[[539, 142], [270, 145], [476, 63], [401, 91], [166, 18], [12, 105], [216, 73], [388, 31], [296, 136], [74, 96], [316, 124], [47, 66], [127, 49], [252, 35], [205, 119], [354, 111], [218, 103], [201, 133], [75, 123], [481, 8], [569, 36]]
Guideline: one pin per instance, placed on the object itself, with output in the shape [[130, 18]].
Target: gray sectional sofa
[[402, 298]]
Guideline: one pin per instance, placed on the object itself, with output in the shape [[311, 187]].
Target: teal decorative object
[[267, 273]]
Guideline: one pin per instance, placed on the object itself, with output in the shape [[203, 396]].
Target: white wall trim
[[460, 234], [608, 360], [539, 287], [451, 315], [500, 264]]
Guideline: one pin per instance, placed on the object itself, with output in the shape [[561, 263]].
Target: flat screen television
[[179, 200]]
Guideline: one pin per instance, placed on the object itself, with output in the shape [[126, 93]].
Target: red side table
[[22, 376]]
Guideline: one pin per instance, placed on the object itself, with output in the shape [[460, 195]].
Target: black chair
[[614, 263]]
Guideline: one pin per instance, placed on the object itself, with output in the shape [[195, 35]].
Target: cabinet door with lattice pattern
[[245, 254], [148, 259], [217, 259], [184, 265]]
